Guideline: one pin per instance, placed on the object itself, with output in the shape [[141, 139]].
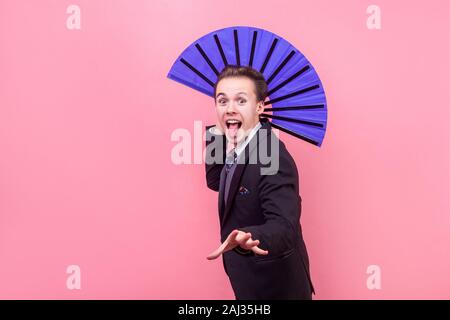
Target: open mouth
[[233, 124]]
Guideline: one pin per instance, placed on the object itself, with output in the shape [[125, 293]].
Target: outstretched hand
[[238, 238]]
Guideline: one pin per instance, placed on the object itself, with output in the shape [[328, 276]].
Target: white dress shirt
[[247, 139]]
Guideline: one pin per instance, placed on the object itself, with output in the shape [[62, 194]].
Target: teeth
[[233, 121]]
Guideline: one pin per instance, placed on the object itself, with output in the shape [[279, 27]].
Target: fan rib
[[252, 53], [281, 66], [291, 94], [309, 123], [269, 55], [295, 134], [219, 46], [201, 75], [317, 106], [199, 48], [236, 47], [285, 82]]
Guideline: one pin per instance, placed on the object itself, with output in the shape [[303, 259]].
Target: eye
[[242, 101]]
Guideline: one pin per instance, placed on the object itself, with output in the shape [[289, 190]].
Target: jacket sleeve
[[214, 158], [281, 208]]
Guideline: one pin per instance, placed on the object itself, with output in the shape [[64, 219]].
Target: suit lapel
[[240, 167], [222, 193]]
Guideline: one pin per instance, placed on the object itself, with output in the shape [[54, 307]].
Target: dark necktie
[[230, 160]]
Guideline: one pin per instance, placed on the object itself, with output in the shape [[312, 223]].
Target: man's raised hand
[[237, 238]]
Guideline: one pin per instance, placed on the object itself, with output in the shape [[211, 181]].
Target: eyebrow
[[223, 94]]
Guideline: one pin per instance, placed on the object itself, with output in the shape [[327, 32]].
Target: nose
[[230, 108]]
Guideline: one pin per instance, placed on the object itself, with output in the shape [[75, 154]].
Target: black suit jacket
[[268, 206]]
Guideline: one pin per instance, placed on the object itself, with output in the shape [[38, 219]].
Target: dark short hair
[[232, 71]]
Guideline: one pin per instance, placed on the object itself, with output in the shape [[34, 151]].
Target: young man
[[263, 251]]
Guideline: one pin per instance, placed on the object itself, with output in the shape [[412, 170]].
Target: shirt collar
[[242, 146]]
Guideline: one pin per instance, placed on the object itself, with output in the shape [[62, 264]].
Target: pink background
[[86, 176]]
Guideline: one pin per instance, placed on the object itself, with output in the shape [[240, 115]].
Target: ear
[[260, 107]]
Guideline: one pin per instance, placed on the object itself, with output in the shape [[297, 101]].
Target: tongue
[[232, 129]]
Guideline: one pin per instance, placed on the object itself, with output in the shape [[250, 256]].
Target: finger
[[259, 251], [215, 254], [251, 243], [223, 247], [243, 237], [243, 240], [232, 236], [230, 246]]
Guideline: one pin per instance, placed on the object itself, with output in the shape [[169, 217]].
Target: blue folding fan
[[296, 96]]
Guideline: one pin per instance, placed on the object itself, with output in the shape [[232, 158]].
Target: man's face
[[237, 107]]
